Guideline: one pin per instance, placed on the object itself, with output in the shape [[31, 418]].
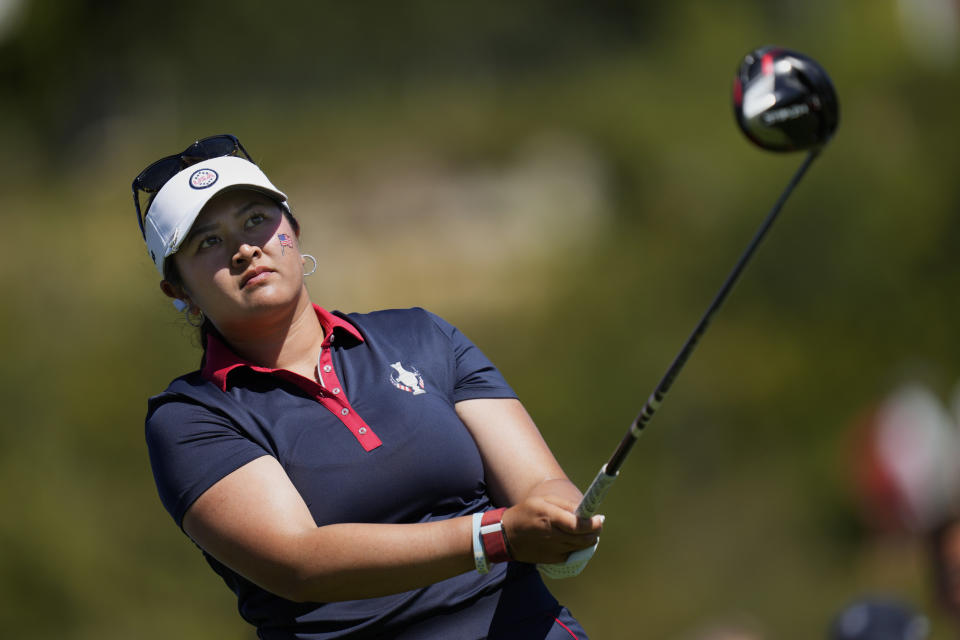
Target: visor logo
[[407, 380], [203, 178]]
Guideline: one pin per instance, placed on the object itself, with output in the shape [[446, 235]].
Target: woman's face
[[234, 264]]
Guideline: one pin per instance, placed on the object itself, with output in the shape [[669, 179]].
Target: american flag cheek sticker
[[285, 241]]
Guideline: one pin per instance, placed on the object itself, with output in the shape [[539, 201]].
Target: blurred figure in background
[[907, 462], [944, 548], [907, 471], [944, 541], [879, 619]]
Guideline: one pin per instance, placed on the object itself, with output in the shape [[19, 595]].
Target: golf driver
[[783, 101]]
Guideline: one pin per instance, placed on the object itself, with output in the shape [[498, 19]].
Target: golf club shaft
[[608, 473]]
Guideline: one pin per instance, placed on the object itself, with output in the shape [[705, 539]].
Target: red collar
[[220, 360]]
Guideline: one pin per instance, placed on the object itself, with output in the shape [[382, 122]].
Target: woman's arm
[[541, 524], [255, 522]]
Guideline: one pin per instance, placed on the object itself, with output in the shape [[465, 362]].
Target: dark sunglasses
[[152, 179]]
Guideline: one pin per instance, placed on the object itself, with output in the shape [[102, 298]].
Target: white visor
[[177, 205]]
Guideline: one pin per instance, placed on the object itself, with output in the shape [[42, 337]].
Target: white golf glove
[[574, 564]]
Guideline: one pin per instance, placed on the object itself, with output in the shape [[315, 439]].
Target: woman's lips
[[257, 277]]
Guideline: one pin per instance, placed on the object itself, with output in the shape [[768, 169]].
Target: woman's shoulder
[[185, 383], [411, 313], [189, 403], [395, 319], [191, 388]]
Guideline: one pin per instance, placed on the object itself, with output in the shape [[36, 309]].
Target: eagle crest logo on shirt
[[407, 379]]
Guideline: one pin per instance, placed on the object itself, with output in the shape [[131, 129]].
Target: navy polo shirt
[[377, 440]]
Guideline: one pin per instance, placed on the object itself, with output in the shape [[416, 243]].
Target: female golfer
[[347, 475]]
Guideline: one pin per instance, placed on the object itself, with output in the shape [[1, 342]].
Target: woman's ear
[[173, 291]]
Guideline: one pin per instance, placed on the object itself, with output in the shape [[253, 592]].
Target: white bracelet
[[479, 556]]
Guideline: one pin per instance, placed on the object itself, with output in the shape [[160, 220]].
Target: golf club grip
[[595, 493], [601, 484]]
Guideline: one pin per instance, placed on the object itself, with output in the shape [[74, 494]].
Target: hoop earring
[[314, 260], [188, 314]]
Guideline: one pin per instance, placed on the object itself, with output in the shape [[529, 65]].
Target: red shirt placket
[[333, 398]]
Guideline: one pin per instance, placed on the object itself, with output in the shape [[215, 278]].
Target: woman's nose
[[245, 253]]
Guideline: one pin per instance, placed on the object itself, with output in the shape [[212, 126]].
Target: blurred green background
[[562, 180]]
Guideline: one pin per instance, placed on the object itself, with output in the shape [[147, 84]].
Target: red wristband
[[493, 537]]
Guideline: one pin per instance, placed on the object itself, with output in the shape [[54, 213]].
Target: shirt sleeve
[[476, 376], [192, 447]]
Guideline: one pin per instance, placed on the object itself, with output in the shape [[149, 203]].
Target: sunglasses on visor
[[152, 179]]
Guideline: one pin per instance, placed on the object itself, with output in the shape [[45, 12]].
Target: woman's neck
[[289, 340]]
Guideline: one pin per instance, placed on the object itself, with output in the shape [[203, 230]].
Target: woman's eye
[[255, 219], [208, 242]]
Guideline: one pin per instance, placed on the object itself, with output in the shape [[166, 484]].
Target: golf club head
[[784, 100]]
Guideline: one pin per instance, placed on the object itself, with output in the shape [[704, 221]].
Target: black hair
[[172, 275]]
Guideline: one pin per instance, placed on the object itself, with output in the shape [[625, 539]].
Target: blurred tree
[[70, 63]]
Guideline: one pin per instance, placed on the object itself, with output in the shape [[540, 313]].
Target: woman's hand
[[544, 527], [541, 525]]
